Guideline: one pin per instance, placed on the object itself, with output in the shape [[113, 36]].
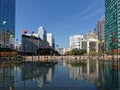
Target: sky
[[62, 18]]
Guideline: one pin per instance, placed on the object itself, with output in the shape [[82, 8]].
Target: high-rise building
[[100, 29], [7, 23], [42, 33], [50, 39], [112, 24]]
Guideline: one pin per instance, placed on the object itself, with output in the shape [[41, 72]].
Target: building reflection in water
[[6, 77], [103, 75], [34, 76], [25, 76], [34, 72]]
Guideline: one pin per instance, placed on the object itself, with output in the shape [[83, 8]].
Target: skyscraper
[[112, 24], [100, 29], [7, 23], [51, 40], [42, 33]]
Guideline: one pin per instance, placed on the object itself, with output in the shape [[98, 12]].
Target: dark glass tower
[[7, 30], [112, 24]]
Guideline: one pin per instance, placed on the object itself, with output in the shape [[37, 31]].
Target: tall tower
[[42, 33], [112, 24], [50, 39], [7, 23], [100, 29]]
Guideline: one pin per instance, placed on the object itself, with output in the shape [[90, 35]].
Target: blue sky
[[62, 18]]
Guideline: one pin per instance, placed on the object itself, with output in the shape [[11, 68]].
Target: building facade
[[7, 23], [42, 33], [30, 44], [51, 40], [75, 41], [112, 24], [100, 29], [89, 42]]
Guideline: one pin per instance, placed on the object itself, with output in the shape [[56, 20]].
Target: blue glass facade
[[7, 13], [112, 24]]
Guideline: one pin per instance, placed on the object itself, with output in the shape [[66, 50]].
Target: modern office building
[[42, 33], [112, 24], [51, 40], [7, 23], [100, 29]]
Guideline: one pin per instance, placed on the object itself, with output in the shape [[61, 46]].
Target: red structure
[[24, 31]]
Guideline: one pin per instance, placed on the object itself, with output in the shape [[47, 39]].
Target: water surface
[[65, 75]]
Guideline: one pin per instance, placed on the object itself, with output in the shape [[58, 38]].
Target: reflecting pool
[[64, 75]]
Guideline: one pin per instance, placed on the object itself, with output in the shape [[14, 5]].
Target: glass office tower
[[112, 24], [7, 23]]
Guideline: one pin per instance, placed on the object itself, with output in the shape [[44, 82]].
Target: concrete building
[[62, 51], [112, 24], [18, 46], [90, 35], [100, 28], [89, 42], [7, 23], [92, 42], [75, 41]]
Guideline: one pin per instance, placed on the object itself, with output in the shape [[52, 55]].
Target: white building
[[89, 42], [42, 33], [75, 41], [50, 39]]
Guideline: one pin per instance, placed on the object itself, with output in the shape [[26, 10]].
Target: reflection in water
[[66, 75]]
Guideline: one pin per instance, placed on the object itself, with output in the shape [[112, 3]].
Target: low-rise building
[[88, 42], [30, 44]]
